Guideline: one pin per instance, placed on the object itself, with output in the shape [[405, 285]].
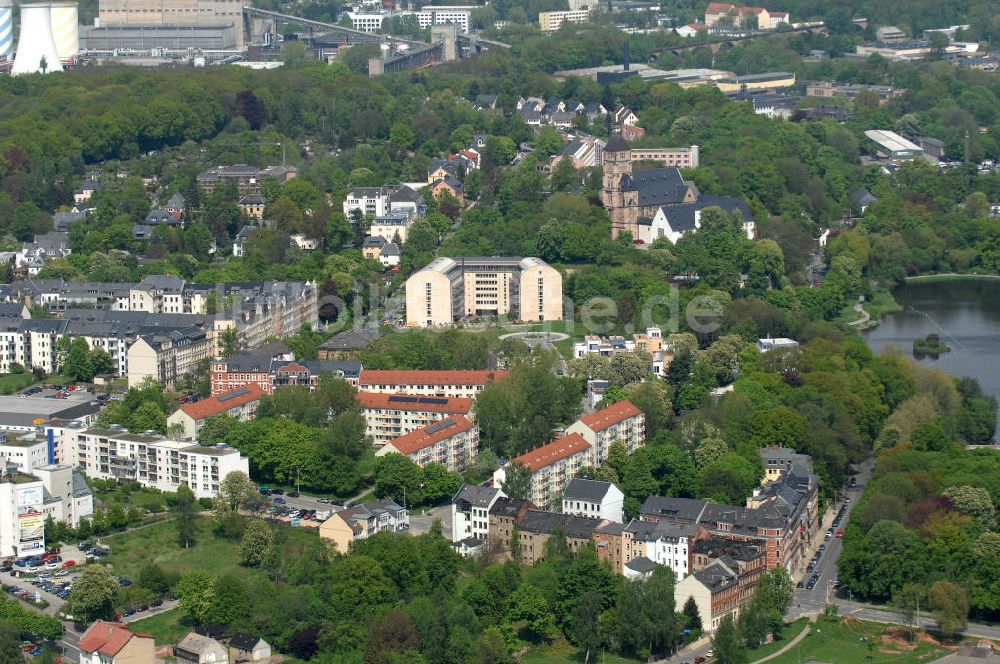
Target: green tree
[[78, 361], [229, 342], [258, 537], [196, 591], [399, 478], [906, 602], [185, 518], [10, 644], [93, 594], [100, 362], [528, 604], [728, 644], [974, 501], [234, 490], [950, 607], [517, 480], [691, 614]]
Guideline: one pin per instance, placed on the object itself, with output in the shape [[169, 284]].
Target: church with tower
[[655, 202]]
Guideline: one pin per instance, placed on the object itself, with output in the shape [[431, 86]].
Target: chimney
[[626, 63]]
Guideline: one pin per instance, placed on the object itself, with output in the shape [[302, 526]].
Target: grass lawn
[[158, 544], [561, 652], [167, 627], [11, 383], [841, 642], [792, 630]]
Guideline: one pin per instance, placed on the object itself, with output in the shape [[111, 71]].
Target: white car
[[53, 566], [61, 573]]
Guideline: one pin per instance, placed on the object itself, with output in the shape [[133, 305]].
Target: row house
[[784, 515], [363, 521], [273, 365], [552, 466], [389, 416], [452, 442], [460, 384], [716, 592], [152, 460], [168, 356], [246, 178], [505, 514], [665, 543], [621, 422]]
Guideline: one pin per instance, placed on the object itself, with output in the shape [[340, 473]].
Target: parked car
[[293, 494], [279, 500], [840, 532], [69, 563], [278, 492]]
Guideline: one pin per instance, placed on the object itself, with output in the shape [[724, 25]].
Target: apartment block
[[552, 466], [460, 384], [451, 289], [389, 416], [168, 356], [670, 157], [273, 365], [153, 460], [620, 422], [452, 442], [384, 200], [552, 21]]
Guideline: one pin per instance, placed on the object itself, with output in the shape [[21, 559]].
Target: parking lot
[[297, 509]]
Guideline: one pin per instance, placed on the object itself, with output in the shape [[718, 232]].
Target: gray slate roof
[[589, 490]]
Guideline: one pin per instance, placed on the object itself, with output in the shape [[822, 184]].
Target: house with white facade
[[470, 511], [600, 500]]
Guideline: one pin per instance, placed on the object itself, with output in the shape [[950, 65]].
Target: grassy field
[[11, 383], [792, 630], [167, 627], [158, 544], [928, 278], [843, 642]]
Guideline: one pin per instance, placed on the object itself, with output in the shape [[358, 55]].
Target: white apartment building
[[366, 22], [155, 461], [22, 516], [452, 442], [27, 452], [167, 356], [392, 226], [552, 466], [380, 201], [620, 422], [595, 499], [67, 496], [666, 543], [443, 15], [470, 511], [389, 416], [460, 384]]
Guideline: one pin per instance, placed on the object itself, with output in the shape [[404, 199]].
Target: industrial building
[[768, 81], [891, 145], [146, 24], [450, 289]]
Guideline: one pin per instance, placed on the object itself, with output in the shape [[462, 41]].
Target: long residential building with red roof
[[552, 467], [452, 442], [620, 422], [240, 403], [113, 643], [463, 384], [389, 416]]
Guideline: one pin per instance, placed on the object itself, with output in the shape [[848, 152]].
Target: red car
[[840, 532], [69, 563]]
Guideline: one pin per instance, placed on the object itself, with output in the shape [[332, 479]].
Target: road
[[421, 523]]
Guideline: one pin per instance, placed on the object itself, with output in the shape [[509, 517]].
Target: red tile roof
[[389, 377], [107, 638], [424, 437], [601, 419], [220, 403], [751, 10], [384, 400], [558, 449], [719, 8]]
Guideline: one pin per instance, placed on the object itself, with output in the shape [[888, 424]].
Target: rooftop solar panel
[[443, 424]]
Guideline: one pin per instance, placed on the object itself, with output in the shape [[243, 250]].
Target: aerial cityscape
[[521, 331]]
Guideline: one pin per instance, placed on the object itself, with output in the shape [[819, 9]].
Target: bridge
[[721, 44], [477, 44], [260, 26]]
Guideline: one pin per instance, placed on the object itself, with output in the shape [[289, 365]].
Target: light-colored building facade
[[450, 289], [552, 466], [240, 404], [688, 157], [552, 21], [457, 383], [22, 514], [595, 499], [620, 422], [363, 521], [113, 643], [452, 442], [470, 511], [153, 460], [389, 416], [166, 357]]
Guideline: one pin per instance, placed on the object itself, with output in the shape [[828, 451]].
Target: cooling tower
[[66, 29], [6, 28], [35, 44]]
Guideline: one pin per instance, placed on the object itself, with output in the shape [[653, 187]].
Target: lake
[[966, 315]]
